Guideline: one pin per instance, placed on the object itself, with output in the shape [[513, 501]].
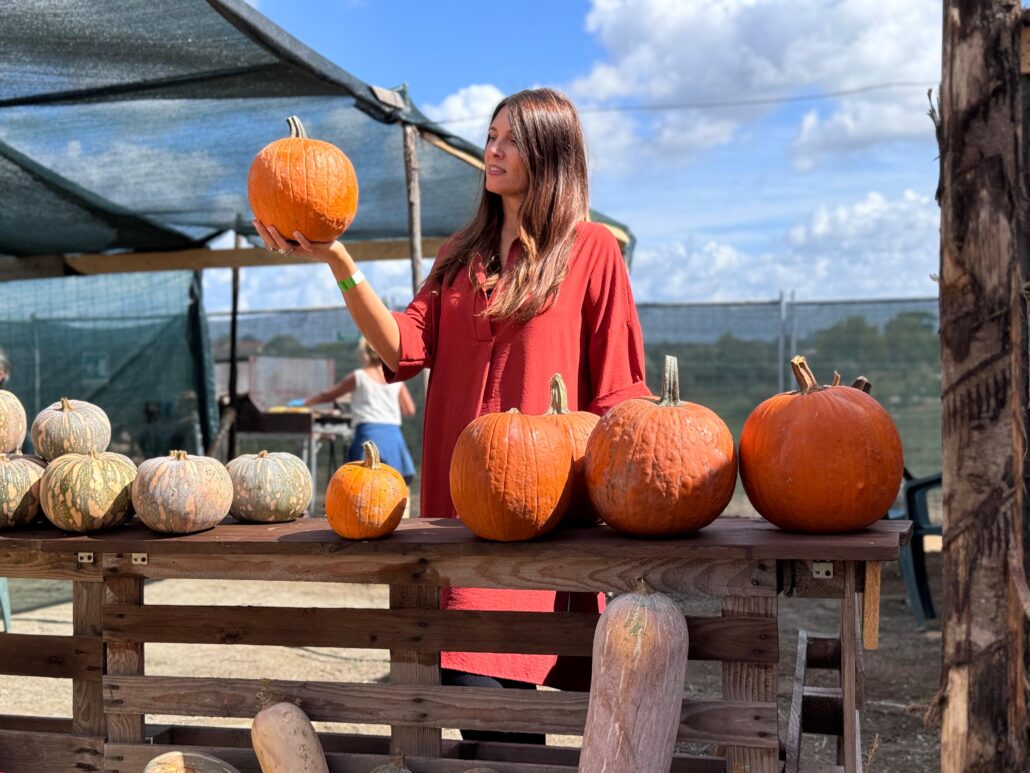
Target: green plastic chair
[[912, 558], [5, 604]]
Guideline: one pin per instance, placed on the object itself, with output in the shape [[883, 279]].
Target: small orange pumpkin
[[821, 459], [578, 425], [659, 469], [300, 184], [366, 499], [511, 476]]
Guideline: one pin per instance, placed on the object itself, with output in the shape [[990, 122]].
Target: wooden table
[[743, 563]]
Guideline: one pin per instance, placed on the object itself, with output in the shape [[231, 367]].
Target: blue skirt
[[390, 442]]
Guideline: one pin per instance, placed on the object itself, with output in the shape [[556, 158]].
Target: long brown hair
[[547, 132]]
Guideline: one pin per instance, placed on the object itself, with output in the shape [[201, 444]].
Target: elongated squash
[[188, 762], [636, 688], [286, 742]]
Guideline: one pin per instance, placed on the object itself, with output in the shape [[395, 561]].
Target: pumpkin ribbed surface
[[659, 469], [87, 492], [269, 487], [19, 489], [181, 494], [366, 499], [300, 184], [822, 459], [12, 422], [636, 684], [188, 762], [577, 425], [511, 476], [70, 427]]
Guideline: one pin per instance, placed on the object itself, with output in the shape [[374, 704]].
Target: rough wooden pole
[[983, 385], [414, 216], [233, 402]]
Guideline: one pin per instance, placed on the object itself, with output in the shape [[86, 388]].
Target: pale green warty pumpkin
[[87, 492], [12, 422], [70, 427], [19, 488], [181, 494], [269, 487]]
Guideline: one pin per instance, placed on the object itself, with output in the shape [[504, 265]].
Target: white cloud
[[871, 248], [660, 52], [475, 103]]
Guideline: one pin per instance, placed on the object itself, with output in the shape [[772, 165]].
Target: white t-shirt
[[374, 403]]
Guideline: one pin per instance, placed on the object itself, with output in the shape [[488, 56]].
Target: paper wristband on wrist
[[352, 281]]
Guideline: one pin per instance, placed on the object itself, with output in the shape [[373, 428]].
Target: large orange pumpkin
[[657, 469], [300, 184], [511, 476], [12, 422], [578, 425], [366, 499], [822, 459]]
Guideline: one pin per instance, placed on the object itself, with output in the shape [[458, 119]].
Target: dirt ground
[[901, 676]]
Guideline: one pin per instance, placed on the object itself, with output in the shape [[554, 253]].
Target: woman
[[376, 410], [526, 289]]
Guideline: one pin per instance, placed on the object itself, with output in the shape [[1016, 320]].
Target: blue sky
[[829, 198]]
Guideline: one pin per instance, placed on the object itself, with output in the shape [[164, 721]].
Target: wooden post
[[983, 384], [414, 218], [88, 694], [415, 667], [124, 659], [234, 407]]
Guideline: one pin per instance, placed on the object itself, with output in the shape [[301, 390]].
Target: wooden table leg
[[415, 667], [750, 682], [849, 749], [88, 694], [124, 659]]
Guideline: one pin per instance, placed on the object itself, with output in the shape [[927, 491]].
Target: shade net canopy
[[132, 125]]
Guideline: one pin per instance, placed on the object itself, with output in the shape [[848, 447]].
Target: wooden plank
[[1024, 50], [199, 259], [824, 652], [61, 657], [850, 754], [751, 724], [31, 752], [539, 570], [750, 639], [799, 582], [728, 538], [821, 711], [415, 667], [25, 561], [124, 659], [87, 694], [793, 741], [871, 606], [755, 682], [36, 724]]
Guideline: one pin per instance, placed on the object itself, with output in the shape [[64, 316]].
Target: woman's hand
[[327, 252]]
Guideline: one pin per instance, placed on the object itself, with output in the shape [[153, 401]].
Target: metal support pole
[[781, 357], [233, 402]]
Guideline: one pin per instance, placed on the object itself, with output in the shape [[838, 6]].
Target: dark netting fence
[[136, 345], [731, 356]]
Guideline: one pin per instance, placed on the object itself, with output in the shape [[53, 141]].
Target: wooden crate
[[740, 562]]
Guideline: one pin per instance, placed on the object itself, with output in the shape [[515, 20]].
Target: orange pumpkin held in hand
[[300, 184], [822, 459], [366, 499], [660, 469], [511, 476], [578, 425]]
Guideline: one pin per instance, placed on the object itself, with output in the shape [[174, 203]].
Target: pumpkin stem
[[643, 587], [262, 454], [513, 410], [836, 379], [296, 128], [804, 375], [65, 405], [863, 384], [670, 384], [93, 454], [371, 459], [559, 396], [179, 456]]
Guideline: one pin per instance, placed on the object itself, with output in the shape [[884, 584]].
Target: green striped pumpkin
[[181, 494], [70, 427], [269, 488], [87, 492], [12, 422], [19, 489]]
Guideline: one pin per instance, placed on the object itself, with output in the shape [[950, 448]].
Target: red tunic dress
[[590, 334]]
